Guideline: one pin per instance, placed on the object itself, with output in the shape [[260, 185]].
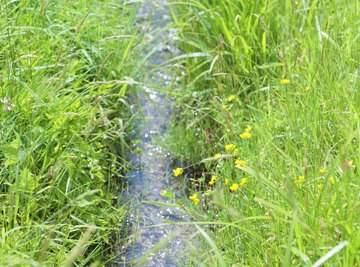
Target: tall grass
[[289, 69], [64, 68]]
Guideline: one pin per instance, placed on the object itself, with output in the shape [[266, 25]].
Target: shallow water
[[152, 245]]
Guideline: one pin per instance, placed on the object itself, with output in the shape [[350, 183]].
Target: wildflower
[[236, 152], [229, 147], [248, 128], [195, 199], [216, 156], [194, 196], [226, 107], [230, 98], [178, 171], [332, 180], [7, 104], [234, 187], [300, 179], [284, 81], [226, 182], [240, 163], [213, 179], [245, 135], [163, 193], [322, 170], [243, 182], [320, 186]]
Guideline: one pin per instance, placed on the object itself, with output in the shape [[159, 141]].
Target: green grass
[[63, 122], [245, 49], [66, 69]]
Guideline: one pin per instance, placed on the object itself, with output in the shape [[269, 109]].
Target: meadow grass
[[65, 70], [268, 109]]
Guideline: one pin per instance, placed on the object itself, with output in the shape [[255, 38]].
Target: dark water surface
[[151, 245]]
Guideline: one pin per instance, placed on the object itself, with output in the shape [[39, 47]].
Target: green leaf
[[10, 152], [26, 181]]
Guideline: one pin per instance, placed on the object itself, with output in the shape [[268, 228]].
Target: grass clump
[[64, 69], [268, 107]]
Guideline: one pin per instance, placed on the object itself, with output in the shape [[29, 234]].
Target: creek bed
[[153, 239]]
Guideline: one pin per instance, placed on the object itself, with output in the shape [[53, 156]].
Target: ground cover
[[65, 69], [268, 110]]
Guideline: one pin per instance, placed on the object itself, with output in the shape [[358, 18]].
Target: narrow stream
[[149, 244]]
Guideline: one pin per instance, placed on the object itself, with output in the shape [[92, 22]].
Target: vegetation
[[268, 110], [64, 119]]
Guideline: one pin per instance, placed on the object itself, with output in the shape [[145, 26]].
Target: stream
[[153, 240]]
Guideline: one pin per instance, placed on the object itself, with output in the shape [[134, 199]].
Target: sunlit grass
[[273, 93], [267, 116], [64, 77]]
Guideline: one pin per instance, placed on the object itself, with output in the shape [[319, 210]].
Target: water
[[151, 244]]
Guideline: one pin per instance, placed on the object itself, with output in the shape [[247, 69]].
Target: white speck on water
[[152, 96]]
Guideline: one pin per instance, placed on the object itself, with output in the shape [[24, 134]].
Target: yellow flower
[[177, 171], [213, 179], [320, 186], [284, 81], [245, 135], [229, 147], [234, 187], [248, 128], [240, 163], [195, 199], [226, 182], [216, 156], [332, 180], [163, 193], [300, 179], [230, 98], [236, 152], [243, 182], [226, 107], [322, 170]]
